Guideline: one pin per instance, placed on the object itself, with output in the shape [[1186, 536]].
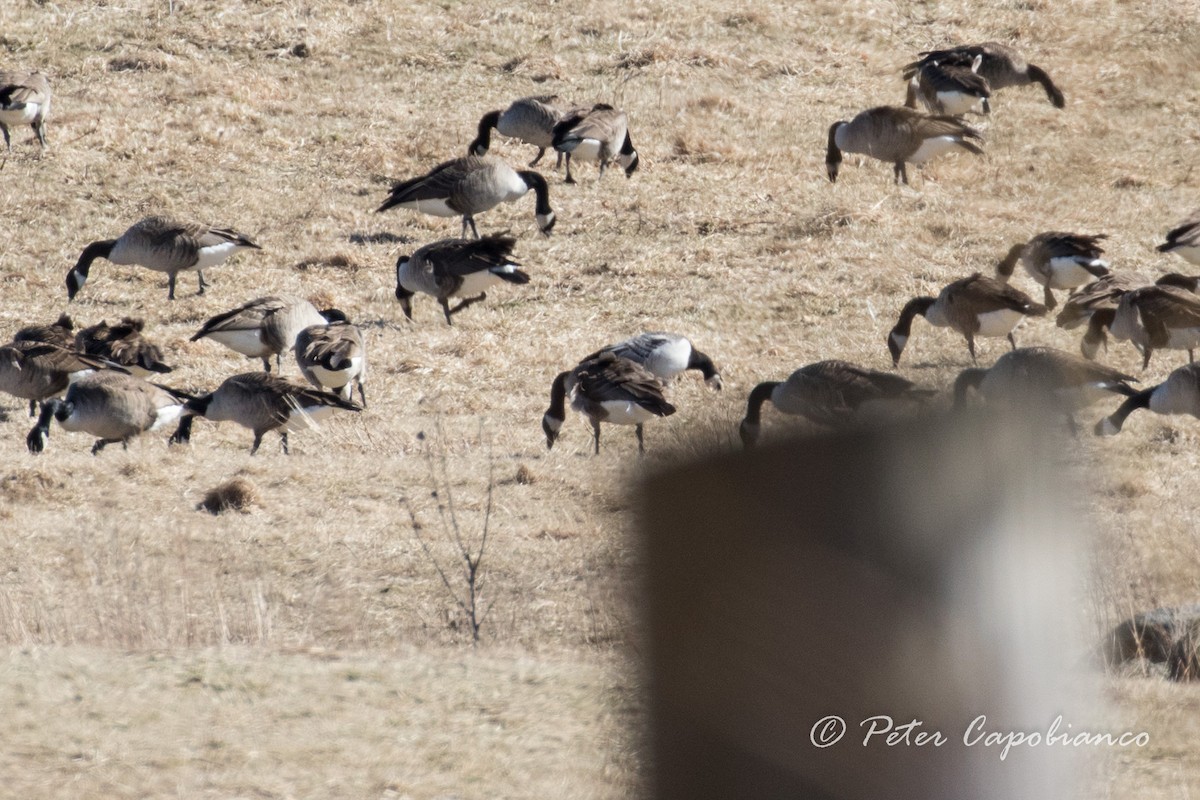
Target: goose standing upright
[[24, 100], [461, 268], [1057, 261], [1001, 65], [530, 119], [599, 134], [898, 136], [666, 355]]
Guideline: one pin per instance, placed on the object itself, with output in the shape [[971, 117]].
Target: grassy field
[[308, 647]]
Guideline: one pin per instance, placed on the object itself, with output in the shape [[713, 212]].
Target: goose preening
[[530, 119], [1184, 239], [457, 268], [973, 306], [948, 88], [123, 344], [112, 406], [666, 355], [469, 186], [262, 403], [36, 371], [898, 136], [24, 100], [1156, 318], [60, 332], [606, 389], [599, 134], [830, 393], [1057, 260], [334, 356], [165, 245], [1001, 65], [263, 327], [1178, 394]]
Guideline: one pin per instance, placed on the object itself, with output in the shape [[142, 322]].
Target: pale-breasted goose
[[334, 356], [1178, 394], [1184, 239], [262, 403], [599, 134], [949, 88], [163, 245], [1057, 261], [60, 332], [606, 389], [35, 371], [112, 406], [24, 100], [1001, 65], [1157, 318], [973, 306], [123, 344], [456, 268], [898, 136], [829, 393], [469, 186], [263, 327], [530, 119], [666, 355]]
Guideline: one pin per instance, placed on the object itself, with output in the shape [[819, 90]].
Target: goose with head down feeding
[[898, 136]]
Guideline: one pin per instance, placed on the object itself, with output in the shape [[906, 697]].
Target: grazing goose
[[898, 136], [112, 406], [123, 344], [973, 306], [334, 356], [1156, 318], [163, 245], [530, 119], [1057, 261], [1184, 239], [949, 88], [60, 332], [24, 100], [606, 389], [829, 393], [1001, 65], [666, 355], [461, 268], [263, 327], [1178, 394], [1095, 304], [469, 186], [600, 134], [262, 403], [35, 371]]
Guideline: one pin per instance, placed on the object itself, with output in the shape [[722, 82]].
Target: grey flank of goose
[[830, 393], [1184, 239], [530, 119], [24, 100], [165, 245], [262, 403], [264, 327], [123, 344], [898, 136], [666, 355], [973, 306], [949, 88], [1001, 65], [1158, 317], [112, 406], [1178, 394], [601, 135], [457, 268], [36, 371], [1057, 260], [464, 187], [606, 389], [334, 356], [60, 332]]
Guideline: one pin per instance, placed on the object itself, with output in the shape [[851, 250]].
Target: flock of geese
[[103, 379]]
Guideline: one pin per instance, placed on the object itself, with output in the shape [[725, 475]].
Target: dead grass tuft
[[695, 146], [525, 476], [237, 494], [136, 64], [342, 261]]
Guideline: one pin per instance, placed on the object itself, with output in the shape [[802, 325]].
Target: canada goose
[[898, 136], [469, 186], [112, 406], [606, 389], [530, 119], [262, 403], [333, 356], [163, 245], [35, 371], [263, 327], [461, 268], [973, 306], [24, 100], [60, 332], [1178, 394], [949, 88], [123, 344], [1001, 65], [828, 393], [1184, 239], [1156, 318], [1095, 304], [1057, 261], [600, 134], [665, 355]]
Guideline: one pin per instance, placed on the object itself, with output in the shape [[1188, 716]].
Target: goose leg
[[541, 152], [469, 220], [101, 443], [7, 141], [283, 437], [362, 394], [570, 178], [1146, 357], [33, 405], [266, 364], [1050, 301], [596, 434], [171, 286], [257, 442], [1191, 356], [40, 129], [558, 162], [203, 283], [971, 347], [901, 172], [641, 440], [465, 303], [1012, 342], [446, 309]]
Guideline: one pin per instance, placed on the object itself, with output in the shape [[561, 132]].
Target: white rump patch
[[933, 147], [215, 254]]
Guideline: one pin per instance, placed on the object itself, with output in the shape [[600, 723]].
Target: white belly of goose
[[215, 254], [435, 208], [23, 114], [307, 417], [1067, 272], [167, 415], [998, 323], [622, 412], [957, 103], [478, 282], [337, 378], [585, 150], [931, 148], [248, 342]]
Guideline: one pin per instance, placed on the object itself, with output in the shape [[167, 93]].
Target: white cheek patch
[[544, 221]]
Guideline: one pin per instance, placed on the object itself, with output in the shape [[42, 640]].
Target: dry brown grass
[[288, 120]]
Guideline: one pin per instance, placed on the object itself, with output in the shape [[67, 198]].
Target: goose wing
[[609, 378]]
